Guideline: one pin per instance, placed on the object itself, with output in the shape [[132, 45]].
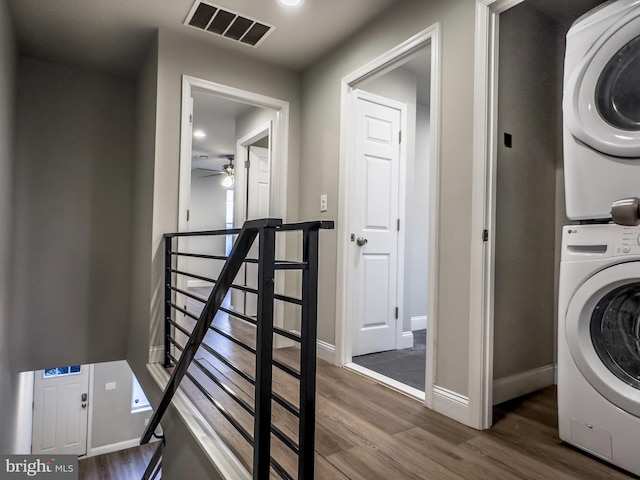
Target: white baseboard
[[514, 386], [156, 354], [198, 283], [451, 404], [407, 340], [419, 323], [326, 352], [115, 447]]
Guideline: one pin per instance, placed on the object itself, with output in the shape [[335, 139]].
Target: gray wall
[[207, 211], [528, 108], [417, 223], [8, 377], [112, 420], [73, 183], [320, 161]]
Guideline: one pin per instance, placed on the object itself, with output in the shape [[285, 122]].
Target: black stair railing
[[262, 379]]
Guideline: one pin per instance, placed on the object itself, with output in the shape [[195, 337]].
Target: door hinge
[[191, 119], [397, 312], [400, 136], [485, 235], [187, 215], [247, 164], [398, 225]]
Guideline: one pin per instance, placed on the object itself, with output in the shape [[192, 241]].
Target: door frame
[[380, 65], [483, 210], [279, 146], [279, 143]]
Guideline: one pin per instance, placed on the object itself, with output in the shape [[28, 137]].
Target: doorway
[[222, 128], [388, 217]]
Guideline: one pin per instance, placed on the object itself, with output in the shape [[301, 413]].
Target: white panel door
[[60, 407], [257, 207], [376, 214]]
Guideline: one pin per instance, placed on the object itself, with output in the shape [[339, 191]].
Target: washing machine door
[[602, 330], [601, 103]]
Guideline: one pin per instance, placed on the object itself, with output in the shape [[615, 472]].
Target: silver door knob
[[361, 242]]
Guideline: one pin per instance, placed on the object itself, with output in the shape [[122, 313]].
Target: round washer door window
[[602, 329], [615, 332]]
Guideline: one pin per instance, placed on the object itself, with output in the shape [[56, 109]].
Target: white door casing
[[377, 122], [257, 175], [428, 38], [60, 414]]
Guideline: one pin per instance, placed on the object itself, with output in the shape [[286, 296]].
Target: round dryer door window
[[602, 329], [601, 103]]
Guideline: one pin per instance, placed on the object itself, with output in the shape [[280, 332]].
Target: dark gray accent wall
[[75, 144], [529, 111], [8, 377]]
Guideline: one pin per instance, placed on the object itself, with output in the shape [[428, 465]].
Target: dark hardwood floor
[[127, 464]]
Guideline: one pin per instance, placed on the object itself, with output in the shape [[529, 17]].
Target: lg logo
[[572, 231]]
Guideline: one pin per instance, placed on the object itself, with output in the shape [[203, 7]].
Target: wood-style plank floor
[[366, 431], [127, 464]]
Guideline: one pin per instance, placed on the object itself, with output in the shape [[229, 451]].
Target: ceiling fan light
[[227, 182]]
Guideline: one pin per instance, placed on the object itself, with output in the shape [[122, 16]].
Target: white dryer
[[599, 342], [601, 109]]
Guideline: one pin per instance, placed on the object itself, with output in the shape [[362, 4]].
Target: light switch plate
[[323, 202], [110, 386]]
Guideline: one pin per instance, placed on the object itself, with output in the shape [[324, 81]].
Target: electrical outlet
[[323, 202]]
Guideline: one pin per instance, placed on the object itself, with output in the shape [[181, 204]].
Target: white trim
[[515, 386], [483, 211], [221, 457], [406, 340], [326, 352], [388, 381], [156, 354], [451, 404], [419, 322], [90, 409], [198, 283], [115, 447], [379, 66]]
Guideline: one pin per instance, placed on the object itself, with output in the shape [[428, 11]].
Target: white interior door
[[257, 168], [60, 410], [374, 263]]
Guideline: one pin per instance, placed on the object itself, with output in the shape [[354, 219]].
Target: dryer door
[[602, 329], [601, 102]]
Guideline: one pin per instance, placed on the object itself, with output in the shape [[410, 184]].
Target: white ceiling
[[113, 35]]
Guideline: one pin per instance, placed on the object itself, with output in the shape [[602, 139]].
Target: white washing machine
[[599, 342], [601, 109]]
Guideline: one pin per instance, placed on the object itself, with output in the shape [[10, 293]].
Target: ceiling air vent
[[220, 21]]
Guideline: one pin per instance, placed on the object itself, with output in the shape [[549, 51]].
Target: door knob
[[361, 242]]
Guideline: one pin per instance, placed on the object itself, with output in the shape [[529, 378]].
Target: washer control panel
[[627, 242]]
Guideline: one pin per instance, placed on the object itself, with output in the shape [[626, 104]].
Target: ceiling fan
[[228, 169]]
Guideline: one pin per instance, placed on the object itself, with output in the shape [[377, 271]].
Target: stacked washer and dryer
[[599, 293]]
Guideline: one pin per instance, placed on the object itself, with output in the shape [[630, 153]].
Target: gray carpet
[[406, 365]]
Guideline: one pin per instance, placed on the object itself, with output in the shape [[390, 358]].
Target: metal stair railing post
[[167, 300], [308, 347], [264, 355], [229, 271]]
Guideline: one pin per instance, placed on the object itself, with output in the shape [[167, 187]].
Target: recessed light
[[199, 134], [290, 3]]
